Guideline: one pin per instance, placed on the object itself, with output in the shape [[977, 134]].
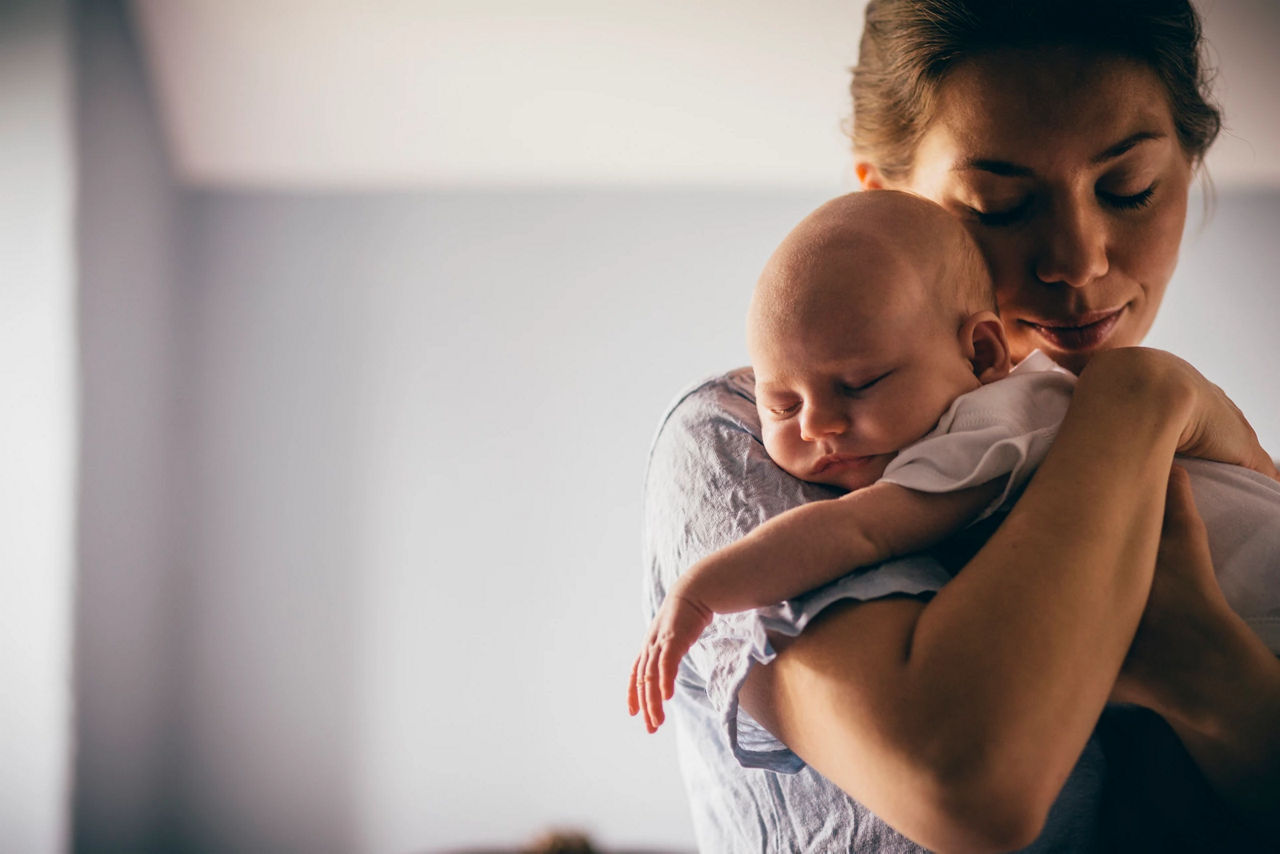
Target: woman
[[961, 711]]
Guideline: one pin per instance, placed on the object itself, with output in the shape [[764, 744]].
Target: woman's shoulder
[[709, 407], [708, 462]]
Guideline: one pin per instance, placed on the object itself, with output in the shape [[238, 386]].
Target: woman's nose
[[1073, 247], [819, 421]]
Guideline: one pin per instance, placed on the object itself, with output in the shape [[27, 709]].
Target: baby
[[882, 368]]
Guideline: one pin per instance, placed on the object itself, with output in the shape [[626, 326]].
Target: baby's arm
[[792, 553], [811, 545]]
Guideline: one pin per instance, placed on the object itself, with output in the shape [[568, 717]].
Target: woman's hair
[[908, 47]]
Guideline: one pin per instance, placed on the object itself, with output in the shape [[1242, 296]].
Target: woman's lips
[[1080, 332]]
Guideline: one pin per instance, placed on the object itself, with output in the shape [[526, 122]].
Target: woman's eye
[[1008, 216], [1128, 203]]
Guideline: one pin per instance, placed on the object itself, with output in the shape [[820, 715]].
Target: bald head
[[866, 254]]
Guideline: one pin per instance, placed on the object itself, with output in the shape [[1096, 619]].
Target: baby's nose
[[817, 422]]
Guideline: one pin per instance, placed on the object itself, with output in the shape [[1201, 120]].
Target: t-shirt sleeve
[[709, 483], [1003, 428]]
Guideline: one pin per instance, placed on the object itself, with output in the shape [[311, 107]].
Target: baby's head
[[874, 314]]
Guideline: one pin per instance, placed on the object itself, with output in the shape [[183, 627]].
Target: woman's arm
[[957, 720], [1237, 745], [1196, 663]]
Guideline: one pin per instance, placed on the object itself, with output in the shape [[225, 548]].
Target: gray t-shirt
[[709, 482]]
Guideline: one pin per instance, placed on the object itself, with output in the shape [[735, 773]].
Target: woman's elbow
[[972, 809], [982, 809], [980, 819], [981, 827]]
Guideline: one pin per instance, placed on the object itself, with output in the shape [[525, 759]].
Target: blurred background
[[332, 338]]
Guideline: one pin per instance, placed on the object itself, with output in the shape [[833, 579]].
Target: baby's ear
[[986, 347]]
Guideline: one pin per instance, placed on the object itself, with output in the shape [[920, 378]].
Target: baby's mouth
[[832, 462]]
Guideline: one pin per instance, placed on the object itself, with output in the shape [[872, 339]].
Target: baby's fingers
[[653, 689], [633, 700], [642, 694], [668, 667]]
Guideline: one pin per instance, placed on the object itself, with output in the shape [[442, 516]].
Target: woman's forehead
[[1037, 108]]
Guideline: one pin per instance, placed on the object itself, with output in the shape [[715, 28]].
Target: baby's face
[[842, 387]]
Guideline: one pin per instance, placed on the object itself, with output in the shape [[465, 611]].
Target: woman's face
[[1068, 172]]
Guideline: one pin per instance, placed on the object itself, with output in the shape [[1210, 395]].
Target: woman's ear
[[986, 347], [868, 175]]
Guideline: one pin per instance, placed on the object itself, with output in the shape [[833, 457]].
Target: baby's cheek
[[780, 450], [772, 446]]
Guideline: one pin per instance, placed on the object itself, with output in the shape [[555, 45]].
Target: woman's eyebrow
[[1125, 144], [1006, 168]]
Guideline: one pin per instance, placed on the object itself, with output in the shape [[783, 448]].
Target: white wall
[[1223, 305], [423, 427], [37, 428]]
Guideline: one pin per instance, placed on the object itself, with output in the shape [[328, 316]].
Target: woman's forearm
[[1032, 633], [1198, 664], [1230, 724]]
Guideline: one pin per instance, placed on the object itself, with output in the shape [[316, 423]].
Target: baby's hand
[[677, 626]]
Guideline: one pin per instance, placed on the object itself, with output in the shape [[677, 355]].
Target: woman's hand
[[1213, 428], [1185, 617], [1218, 431]]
